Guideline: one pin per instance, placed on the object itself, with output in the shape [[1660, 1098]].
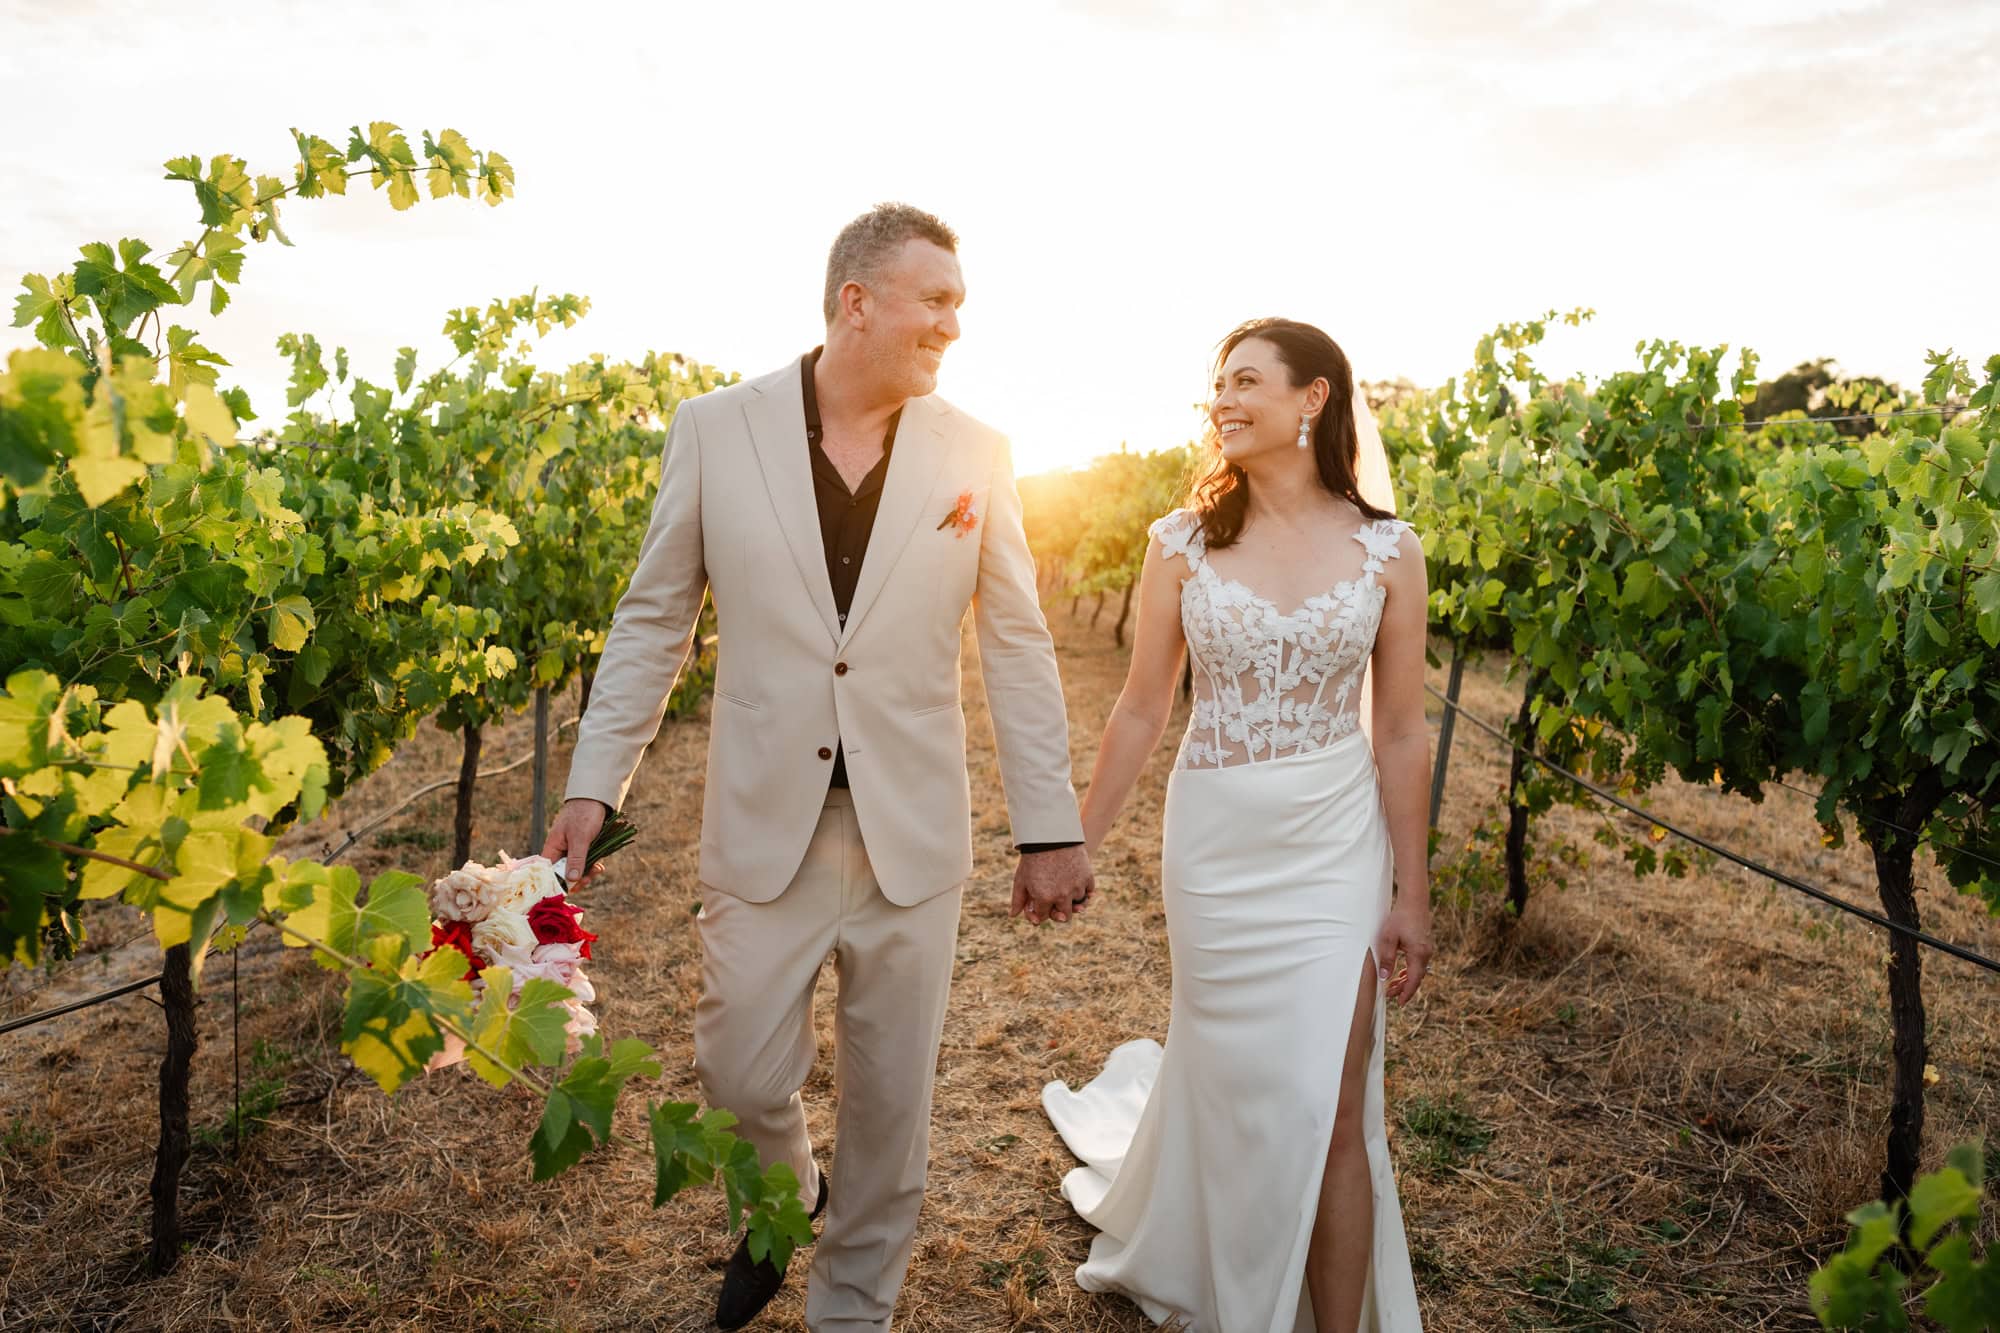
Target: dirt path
[[1645, 1106]]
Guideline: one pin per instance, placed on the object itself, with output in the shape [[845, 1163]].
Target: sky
[[1806, 177]]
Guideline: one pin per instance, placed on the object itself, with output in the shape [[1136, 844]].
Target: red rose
[[554, 921], [456, 935]]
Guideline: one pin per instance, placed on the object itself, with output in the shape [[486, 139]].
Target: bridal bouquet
[[517, 915]]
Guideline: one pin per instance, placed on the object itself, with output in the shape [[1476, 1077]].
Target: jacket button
[[840, 668], [825, 752]]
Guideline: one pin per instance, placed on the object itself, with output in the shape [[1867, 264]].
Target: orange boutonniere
[[961, 515]]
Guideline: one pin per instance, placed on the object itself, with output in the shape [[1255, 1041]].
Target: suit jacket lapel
[[914, 466], [777, 420]]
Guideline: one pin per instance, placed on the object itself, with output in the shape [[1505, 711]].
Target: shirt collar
[[806, 364]]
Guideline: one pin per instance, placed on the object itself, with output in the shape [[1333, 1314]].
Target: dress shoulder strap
[[1382, 539], [1179, 533]]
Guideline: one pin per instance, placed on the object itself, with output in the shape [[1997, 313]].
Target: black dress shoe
[[749, 1284]]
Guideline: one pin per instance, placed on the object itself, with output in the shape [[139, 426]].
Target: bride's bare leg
[[1344, 1231]]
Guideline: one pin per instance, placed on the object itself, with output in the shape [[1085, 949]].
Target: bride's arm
[[1143, 706], [1402, 754]]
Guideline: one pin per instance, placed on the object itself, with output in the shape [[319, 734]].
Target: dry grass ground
[[1647, 1105]]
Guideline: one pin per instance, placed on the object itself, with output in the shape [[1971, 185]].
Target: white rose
[[504, 937], [460, 896], [526, 883]]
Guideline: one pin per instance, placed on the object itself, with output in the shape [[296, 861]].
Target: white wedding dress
[[1202, 1162]]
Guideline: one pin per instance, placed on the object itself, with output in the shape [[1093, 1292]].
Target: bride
[[1240, 1179]]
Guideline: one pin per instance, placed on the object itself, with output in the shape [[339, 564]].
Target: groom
[[843, 517]]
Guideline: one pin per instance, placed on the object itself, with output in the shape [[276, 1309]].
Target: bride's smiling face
[[1256, 407]]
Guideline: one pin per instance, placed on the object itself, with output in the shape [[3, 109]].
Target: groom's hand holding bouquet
[[570, 837]]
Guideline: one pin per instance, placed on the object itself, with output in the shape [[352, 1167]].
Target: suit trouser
[[754, 1046]]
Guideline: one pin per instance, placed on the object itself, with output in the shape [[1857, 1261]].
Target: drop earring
[[1305, 432]]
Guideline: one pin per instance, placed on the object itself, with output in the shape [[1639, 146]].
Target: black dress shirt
[[846, 521], [846, 518]]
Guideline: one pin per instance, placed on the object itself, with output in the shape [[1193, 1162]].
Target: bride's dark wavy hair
[[1221, 492]]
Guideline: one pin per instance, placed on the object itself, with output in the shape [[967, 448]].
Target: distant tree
[[1818, 389]]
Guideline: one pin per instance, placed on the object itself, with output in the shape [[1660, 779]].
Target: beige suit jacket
[[736, 515]]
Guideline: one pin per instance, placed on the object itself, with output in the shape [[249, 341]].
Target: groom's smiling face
[[912, 316]]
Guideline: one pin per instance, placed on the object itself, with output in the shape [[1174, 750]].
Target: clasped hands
[[1053, 885]]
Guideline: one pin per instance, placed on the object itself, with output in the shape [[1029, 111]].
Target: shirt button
[[840, 668], [847, 560], [825, 752]]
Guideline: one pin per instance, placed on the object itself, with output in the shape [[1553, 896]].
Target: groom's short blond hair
[[866, 243]]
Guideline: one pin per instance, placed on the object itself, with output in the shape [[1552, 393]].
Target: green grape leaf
[[778, 1224], [1986, 598], [496, 179], [1967, 1292], [529, 1033], [688, 1146], [229, 771], [30, 722], [101, 478], [489, 1023], [1847, 1292], [122, 293], [390, 1030], [31, 872], [742, 1180], [291, 622], [1969, 1160], [677, 1149], [397, 906], [206, 861], [312, 898], [208, 416], [562, 1138], [580, 1106], [313, 663], [188, 362], [42, 305], [1938, 1199]]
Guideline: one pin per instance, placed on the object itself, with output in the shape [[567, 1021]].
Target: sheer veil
[[1371, 464], [1377, 487]]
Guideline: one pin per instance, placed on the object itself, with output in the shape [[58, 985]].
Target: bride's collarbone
[[1292, 571]]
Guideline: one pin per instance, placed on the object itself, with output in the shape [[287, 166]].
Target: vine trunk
[[177, 1001], [1894, 850], [1517, 806], [468, 778]]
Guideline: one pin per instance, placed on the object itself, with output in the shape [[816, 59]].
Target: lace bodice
[[1268, 682]]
